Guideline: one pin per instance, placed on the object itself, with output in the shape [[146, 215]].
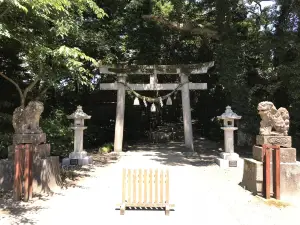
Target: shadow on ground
[[175, 153], [18, 209]]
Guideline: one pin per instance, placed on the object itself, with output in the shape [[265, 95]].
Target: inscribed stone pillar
[[186, 110], [119, 127], [229, 139]]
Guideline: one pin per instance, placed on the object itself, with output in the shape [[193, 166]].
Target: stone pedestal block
[[40, 151], [29, 138], [46, 175], [81, 161], [287, 155], [229, 156], [289, 178], [283, 141], [78, 155], [224, 163], [227, 160], [83, 158]]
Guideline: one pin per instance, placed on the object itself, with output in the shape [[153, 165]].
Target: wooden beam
[[151, 87], [159, 69]]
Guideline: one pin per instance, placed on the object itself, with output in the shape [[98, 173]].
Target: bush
[[106, 148], [59, 133]]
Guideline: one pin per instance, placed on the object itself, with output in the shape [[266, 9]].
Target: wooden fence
[[145, 188]]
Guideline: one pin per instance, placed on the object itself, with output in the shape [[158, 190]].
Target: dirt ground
[[202, 193]]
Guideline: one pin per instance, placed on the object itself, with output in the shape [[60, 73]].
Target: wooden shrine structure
[[122, 71]]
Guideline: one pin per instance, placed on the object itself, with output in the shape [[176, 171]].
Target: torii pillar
[[186, 111], [120, 111]]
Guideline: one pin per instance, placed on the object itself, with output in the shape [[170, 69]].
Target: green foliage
[[44, 33], [59, 133], [162, 7], [106, 148]]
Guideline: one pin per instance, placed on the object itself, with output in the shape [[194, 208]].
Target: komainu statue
[[274, 122], [26, 120]]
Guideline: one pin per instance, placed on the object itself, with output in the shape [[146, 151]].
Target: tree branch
[[186, 27], [4, 12], [259, 5], [22, 98], [42, 93], [30, 86]]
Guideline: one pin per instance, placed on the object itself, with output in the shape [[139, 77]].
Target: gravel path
[[201, 191]]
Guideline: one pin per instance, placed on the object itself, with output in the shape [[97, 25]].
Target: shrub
[[59, 133], [106, 148]]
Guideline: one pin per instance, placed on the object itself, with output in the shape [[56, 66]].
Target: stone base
[[229, 156], [46, 175], [228, 159], [29, 138], [81, 161], [283, 141], [78, 155], [83, 158], [287, 155], [40, 151], [289, 178]]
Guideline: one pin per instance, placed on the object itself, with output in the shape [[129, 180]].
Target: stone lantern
[[78, 156], [229, 158]]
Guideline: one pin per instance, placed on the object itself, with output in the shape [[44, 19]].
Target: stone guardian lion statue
[[274, 122], [26, 120]]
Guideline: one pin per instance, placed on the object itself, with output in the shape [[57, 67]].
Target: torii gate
[[182, 70]]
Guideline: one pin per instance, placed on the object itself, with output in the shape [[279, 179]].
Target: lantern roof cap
[[79, 114], [229, 114]]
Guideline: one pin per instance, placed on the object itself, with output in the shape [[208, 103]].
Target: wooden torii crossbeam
[[182, 70]]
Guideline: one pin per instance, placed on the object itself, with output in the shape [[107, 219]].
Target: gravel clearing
[[201, 191]]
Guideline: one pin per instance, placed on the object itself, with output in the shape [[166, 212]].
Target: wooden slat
[[161, 186], [17, 176], [145, 186], [124, 181], [147, 205], [167, 186], [129, 186], [30, 188], [150, 186], [276, 176], [267, 172], [140, 185], [156, 186], [26, 173], [134, 186]]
